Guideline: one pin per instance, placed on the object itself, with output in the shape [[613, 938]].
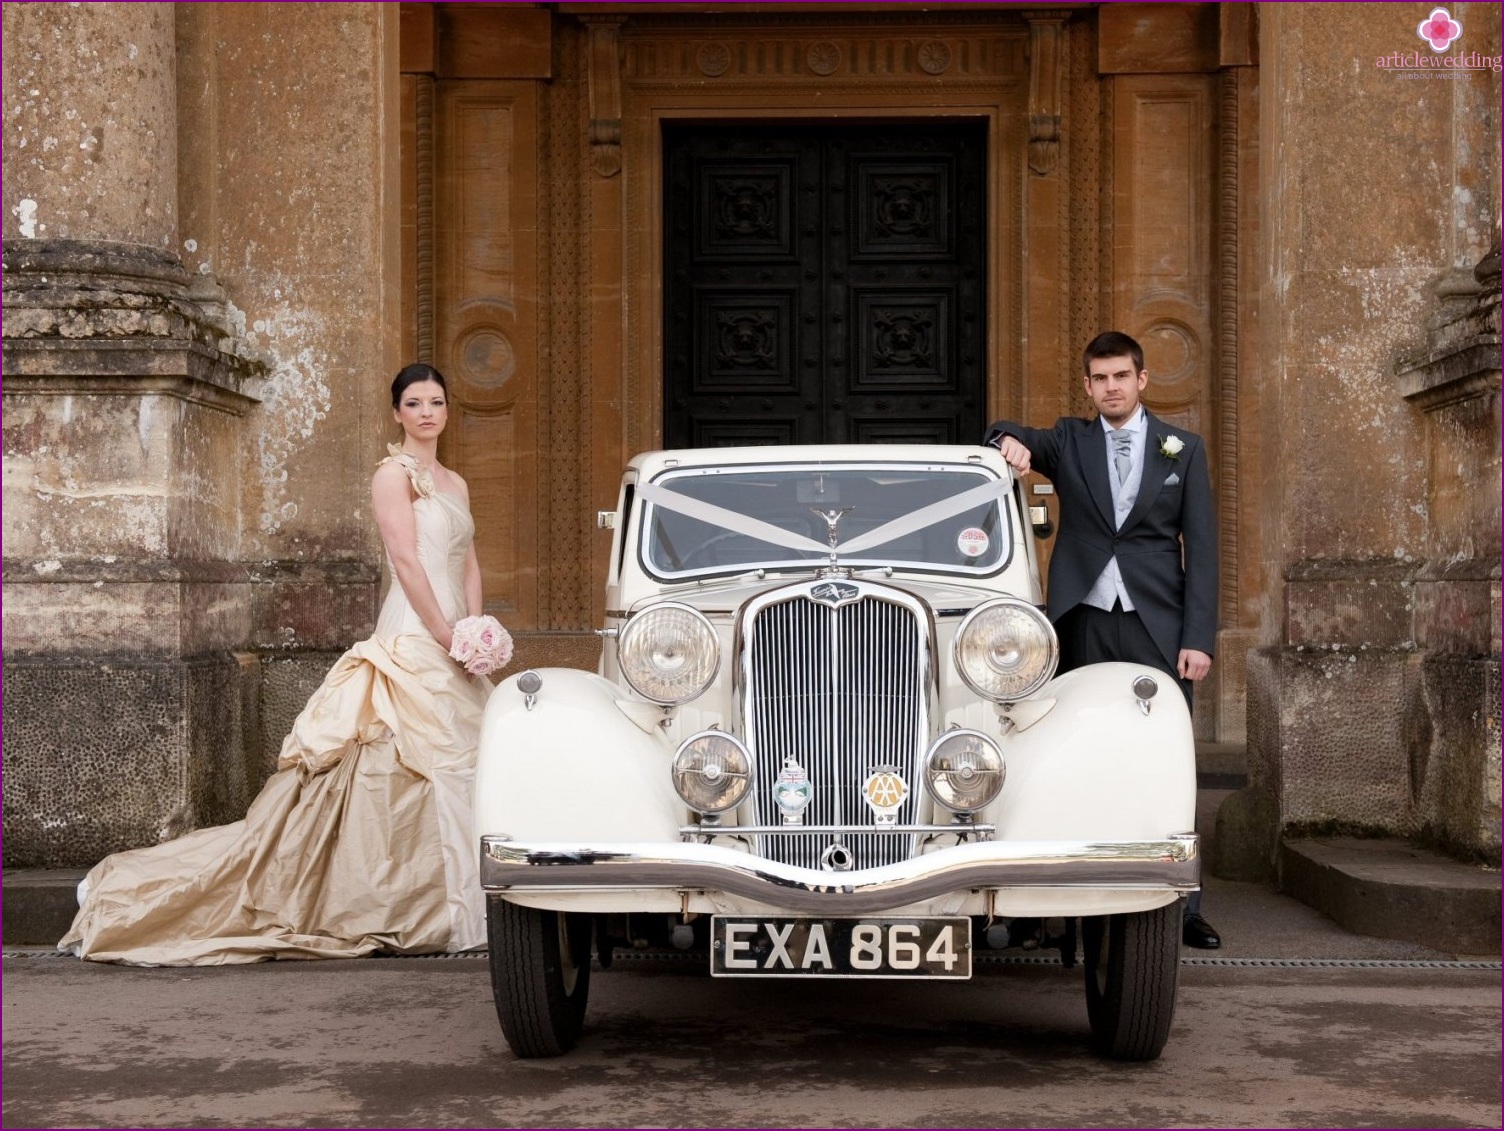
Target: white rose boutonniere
[[1171, 446]]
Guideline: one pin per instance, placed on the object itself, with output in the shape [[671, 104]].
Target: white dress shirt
[[1109, 587]]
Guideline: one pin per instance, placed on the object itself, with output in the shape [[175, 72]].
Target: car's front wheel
[[540, 975], [1132, 967]]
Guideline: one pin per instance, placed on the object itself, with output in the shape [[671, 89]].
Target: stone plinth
[[129, 716], [1454, 381], [103, 755], [121, 417], [1327, 736]]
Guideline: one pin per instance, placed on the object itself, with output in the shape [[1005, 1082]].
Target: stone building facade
[[227, 225]]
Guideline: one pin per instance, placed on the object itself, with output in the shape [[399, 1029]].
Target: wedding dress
[[361, 841]]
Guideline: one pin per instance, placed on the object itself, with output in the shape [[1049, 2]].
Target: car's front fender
[[1097, 765], [574, 765]]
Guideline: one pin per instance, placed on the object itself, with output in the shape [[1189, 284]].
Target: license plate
[[748, 946]]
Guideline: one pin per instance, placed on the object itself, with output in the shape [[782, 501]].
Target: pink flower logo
[[1439, 29]]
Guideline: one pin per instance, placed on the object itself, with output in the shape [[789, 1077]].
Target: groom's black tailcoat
[[1175, 596]]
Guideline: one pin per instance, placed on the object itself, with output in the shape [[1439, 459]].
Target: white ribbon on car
[[926, 516], [728, 519], [777, 536]]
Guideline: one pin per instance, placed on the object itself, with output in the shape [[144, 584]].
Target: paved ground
[[415, 1043], [1295, 1023]]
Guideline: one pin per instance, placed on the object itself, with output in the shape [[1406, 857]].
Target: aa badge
[[885, 791]]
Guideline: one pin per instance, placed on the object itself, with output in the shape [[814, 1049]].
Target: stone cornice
[[189, 371], [1461, 358], [93, 317]]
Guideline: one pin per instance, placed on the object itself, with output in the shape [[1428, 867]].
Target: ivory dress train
[[361, 841]]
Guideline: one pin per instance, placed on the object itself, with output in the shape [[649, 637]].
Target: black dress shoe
[[1197, 932]]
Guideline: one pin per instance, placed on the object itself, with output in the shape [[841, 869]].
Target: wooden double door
[[825, 284]]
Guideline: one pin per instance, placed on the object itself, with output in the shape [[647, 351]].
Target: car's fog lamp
[[668, 653], [964, 770], [1006, 650], [712, 772]]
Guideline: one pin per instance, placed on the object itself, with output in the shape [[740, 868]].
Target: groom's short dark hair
[[1112, 343]]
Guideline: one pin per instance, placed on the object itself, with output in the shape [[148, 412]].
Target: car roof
[[649, 464]]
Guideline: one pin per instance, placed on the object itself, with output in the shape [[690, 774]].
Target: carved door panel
[[824, 284]]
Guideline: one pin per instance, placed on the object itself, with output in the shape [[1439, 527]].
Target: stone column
[[91, 123], [126, 708]]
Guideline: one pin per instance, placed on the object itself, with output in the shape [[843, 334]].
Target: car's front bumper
[[1171, 864]]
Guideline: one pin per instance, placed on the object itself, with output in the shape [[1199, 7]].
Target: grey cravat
[[1122, 454]]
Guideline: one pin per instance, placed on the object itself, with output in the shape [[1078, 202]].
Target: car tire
[[1132, 967], [540, 975]]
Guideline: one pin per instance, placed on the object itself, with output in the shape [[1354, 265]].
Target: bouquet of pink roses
[[481, 644]]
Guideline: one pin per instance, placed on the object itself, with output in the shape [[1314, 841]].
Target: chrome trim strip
[[699, 832], [1172, 864]]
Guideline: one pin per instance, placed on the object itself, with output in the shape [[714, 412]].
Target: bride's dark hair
[[414, 374]]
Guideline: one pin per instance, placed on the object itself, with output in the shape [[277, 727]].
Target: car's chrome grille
[[841, 691]]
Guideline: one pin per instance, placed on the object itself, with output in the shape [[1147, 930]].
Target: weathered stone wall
[[200, 272], [285, 148], [288, 158], [1372, 501]]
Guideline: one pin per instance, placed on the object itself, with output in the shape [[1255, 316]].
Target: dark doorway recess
[[825, 284]]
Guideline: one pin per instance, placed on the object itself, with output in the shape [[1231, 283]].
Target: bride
[[361, 840]]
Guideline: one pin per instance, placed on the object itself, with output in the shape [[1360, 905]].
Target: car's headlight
[[964, 770], [1006, 650], [668, 653], [712, 772]]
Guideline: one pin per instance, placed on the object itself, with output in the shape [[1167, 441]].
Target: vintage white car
[[826, 739]]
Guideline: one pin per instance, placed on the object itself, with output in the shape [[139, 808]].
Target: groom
[[1134, 574]]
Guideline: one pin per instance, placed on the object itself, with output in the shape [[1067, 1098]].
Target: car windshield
[[705, 521]]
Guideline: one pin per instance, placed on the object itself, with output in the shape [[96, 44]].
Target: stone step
[[1395, 889], [1221, 765], [38, 904]]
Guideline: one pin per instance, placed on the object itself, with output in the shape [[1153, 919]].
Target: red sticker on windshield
[[973, 541]]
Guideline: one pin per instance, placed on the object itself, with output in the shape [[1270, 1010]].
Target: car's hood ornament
[[832, 521]]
